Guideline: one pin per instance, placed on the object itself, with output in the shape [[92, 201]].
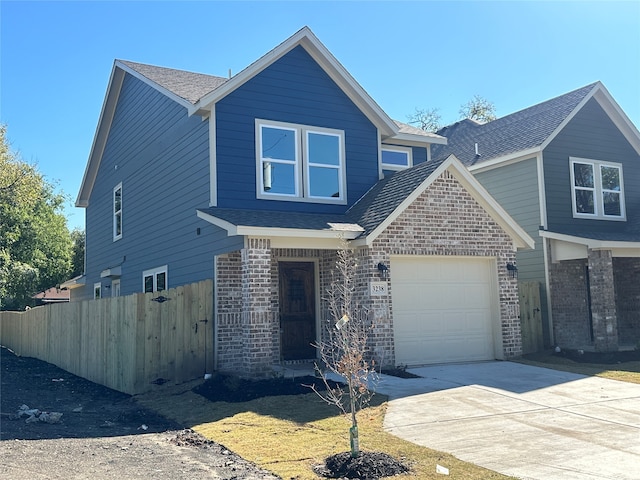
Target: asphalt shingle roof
[[190, 86], [365, 215], [518, 131]]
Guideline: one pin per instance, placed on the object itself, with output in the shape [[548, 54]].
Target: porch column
[[259, 326], [603, 301]]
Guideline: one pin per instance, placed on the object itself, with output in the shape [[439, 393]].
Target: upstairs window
[[396, 158], [597, 189], [154, 280], [117, 212], [300, 163]]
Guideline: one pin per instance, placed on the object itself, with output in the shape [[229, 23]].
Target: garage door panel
[[442, 309]]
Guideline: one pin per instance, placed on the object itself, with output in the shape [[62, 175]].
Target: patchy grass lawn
[[628, 371], [289, 434]]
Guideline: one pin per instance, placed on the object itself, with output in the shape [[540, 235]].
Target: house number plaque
[[378, 289]]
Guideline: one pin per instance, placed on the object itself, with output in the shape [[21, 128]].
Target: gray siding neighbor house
[[255, 181], [568, 171]]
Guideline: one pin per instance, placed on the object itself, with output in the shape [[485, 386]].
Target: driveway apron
[[519, 420]]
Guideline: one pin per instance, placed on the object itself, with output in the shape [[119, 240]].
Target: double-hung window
[[597, 189], [300, 163], [396, 158], [117, 212], [155, 279]]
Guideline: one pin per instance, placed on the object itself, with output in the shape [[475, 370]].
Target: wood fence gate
[[124, 343], [530, 317]]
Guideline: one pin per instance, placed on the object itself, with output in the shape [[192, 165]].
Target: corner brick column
[[258, 318], [603, 301]]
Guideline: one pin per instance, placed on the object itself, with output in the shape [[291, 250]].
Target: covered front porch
[[595, 293]]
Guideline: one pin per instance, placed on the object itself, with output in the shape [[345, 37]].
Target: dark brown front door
[[297, 310]]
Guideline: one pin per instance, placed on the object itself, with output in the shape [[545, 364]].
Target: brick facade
[[626, 273], [596, 301], [444, 220]]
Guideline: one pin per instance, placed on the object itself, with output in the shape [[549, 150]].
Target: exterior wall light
[[383, 270], [512, 269]]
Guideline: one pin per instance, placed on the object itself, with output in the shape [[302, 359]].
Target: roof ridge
[[130, 64]]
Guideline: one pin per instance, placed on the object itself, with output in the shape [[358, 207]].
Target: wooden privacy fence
[[125, 343], [530, 317]]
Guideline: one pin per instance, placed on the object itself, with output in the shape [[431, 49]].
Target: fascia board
[[231, 229], [497, 162], [325, 59], [520, 238], [416, 140], [569, 117], [296, 232], [253, 231], [618, 117], [591, 243], [100, 137], [179, 100]]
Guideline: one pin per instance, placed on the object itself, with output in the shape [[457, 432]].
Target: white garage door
[[443, 309]]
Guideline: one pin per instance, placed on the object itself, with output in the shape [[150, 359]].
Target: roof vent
[[477, 152]]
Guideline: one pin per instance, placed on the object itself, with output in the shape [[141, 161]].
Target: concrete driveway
[[528, 422]]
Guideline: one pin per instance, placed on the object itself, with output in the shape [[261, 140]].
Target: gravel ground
[[102, 434]]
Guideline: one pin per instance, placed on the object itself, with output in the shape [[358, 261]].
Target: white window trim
[[394, 148], [597, 189], [154, 272], [97, 287], [115, 213], [115, 288], [301, 164]]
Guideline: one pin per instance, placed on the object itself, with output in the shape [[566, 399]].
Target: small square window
[[154, 280], [396, 158]]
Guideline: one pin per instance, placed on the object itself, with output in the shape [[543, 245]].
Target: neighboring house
[[568, 171], [256, 180], [52, 295]]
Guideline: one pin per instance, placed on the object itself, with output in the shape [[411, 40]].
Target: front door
[[297, 310]]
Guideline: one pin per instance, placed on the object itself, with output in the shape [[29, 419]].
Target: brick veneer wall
[[569, 303], [445, 220], [603, 300], [626, 273]]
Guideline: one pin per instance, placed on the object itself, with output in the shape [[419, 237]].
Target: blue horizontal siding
[[293, 89], [592, 135], [162, 158]]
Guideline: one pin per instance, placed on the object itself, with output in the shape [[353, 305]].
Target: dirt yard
[[102, 434]]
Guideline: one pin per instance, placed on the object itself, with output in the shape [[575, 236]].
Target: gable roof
[[527, 131], [199, 92], [370, 215], [186, 86]]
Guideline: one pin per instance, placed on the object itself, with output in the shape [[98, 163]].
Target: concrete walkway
[[528, 422]]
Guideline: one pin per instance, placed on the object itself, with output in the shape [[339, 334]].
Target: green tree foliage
[[35, 244], [77, 260]]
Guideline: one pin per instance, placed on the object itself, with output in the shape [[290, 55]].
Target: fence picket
[[124, 342]]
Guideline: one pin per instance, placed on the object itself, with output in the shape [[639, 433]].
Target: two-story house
[[568, 171], [257, 179]]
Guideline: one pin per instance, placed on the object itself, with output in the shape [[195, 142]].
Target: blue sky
[[56, 57]]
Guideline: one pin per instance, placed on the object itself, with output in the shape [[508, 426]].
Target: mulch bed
[[367, 465], [227, 388]]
